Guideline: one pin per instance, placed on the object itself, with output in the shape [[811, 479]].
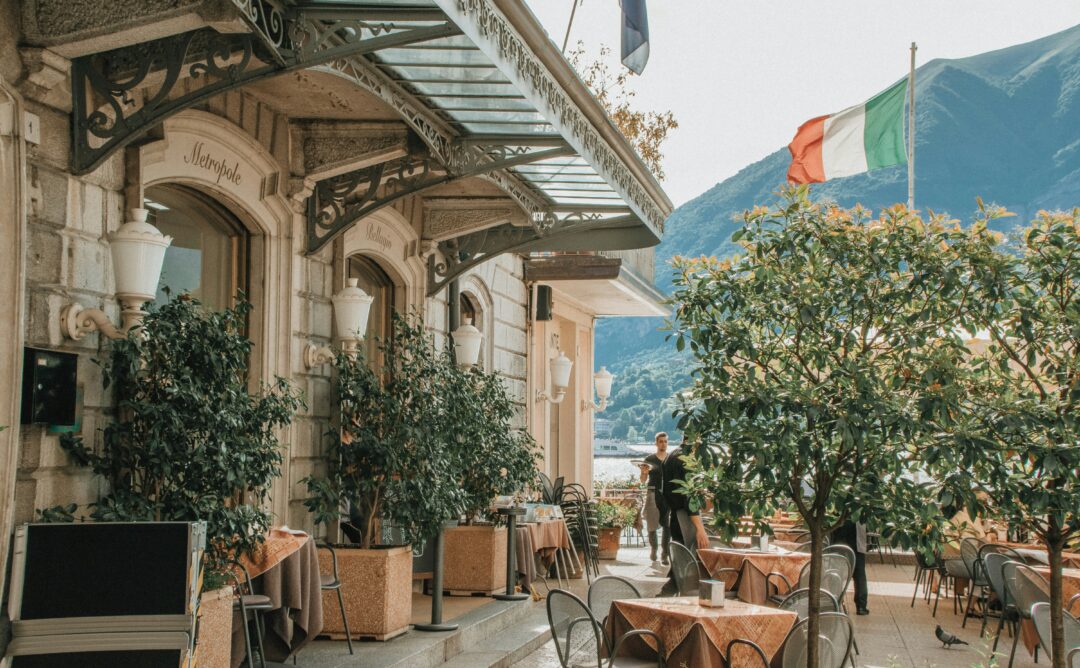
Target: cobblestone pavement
[[893, 634]]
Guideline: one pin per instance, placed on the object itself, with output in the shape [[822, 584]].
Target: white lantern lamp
[[602, 382], [138, 251], [352, 307], [467, 339], [560, 379]]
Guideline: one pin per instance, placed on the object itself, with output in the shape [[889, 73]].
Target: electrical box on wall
[[48, 387], [543, 302]]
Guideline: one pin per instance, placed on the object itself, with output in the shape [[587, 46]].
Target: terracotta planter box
[[377, 587], [475, 560], [608, 540], [213, 644]]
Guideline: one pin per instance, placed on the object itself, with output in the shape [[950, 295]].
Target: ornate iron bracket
[[119, 95], [337, 203], [465, 252], [267, 21]]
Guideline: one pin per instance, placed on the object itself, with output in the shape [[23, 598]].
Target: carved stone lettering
[[219, 167]]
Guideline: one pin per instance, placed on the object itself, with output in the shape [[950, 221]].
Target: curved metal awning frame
[[473, 79]]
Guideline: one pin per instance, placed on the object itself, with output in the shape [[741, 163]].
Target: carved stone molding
[[74, 28], [328, 148], [46, 79], [445, 218]]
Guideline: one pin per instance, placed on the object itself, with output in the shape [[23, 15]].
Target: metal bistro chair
[[969, 552], [798, 602], [1025, 587], [835, 575], [843, 550], [849, 554], [924, 574], [574, 630], [333, 583], [948, 572], [835, 636], [684, 567], [993, 562], [1040, 614], [603, 591], [247, 601]]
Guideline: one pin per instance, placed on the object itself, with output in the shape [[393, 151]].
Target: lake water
[[619, 468]]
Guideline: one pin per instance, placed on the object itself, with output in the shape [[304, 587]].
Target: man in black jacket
[[686, 525]]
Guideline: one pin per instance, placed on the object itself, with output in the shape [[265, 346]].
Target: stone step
[[496, 628], [508, 647]]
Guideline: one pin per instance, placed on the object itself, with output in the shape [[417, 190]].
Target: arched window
[[209, 252], [377, 283]]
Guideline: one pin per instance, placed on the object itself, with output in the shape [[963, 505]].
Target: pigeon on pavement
[[947, 639]]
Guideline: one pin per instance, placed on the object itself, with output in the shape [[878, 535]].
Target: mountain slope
[[1003, 125]]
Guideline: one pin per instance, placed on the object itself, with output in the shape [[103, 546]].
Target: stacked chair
[[580, 516], [105, 595]]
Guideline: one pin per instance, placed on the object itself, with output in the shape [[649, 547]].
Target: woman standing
[[656, 510]]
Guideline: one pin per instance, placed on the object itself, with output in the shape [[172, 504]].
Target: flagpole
[[573, 10], [911, 132]]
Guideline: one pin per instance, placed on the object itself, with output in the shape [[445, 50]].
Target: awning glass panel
[[458, 82]]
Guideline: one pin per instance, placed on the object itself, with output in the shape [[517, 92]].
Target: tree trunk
[[814, 614], [1055, 544]]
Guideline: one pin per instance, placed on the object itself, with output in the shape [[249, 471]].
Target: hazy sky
[[742, 75]]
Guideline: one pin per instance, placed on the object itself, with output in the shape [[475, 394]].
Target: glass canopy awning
[[478, 81], [455, 79]]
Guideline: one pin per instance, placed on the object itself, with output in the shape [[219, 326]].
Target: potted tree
[[492, 458], [192, 442], [612, 517], [820, 366], [389, 467]]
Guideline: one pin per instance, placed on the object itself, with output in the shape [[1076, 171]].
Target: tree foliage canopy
[[821, 354], [646, 130], [1015, 436], [192, 442]]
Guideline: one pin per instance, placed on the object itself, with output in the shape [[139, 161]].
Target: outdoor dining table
[[695, 635], [548, 537], [524, 557], [754, 566], [286, 569]]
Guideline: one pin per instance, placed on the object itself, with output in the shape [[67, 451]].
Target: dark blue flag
[[635, 35]]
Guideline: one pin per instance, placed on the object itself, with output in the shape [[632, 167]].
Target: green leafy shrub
[[389, 463], [192, 442], [611, 515], [492, 456]]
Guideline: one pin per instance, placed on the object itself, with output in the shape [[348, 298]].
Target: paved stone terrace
[[893, 634]]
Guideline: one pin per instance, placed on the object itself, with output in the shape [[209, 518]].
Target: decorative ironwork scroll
[[339, 202], [465, 252], [267, 20], [119, 95]]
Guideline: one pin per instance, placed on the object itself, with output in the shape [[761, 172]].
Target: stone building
[[437, 150]]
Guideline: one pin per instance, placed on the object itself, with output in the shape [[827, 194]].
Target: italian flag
[[856, 140]]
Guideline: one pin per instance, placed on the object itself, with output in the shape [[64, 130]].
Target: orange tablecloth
[[697, 636], [1036, 552], [548, 535], [754, 566], [277, 546]]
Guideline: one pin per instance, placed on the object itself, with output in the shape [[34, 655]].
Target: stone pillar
[[12, 257]]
